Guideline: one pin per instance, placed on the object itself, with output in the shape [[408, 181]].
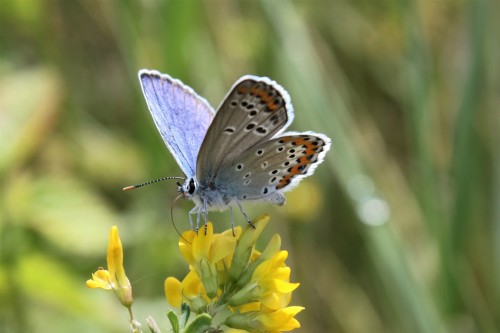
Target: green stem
[[133, 323]]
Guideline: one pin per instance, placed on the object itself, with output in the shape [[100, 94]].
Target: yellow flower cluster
[[228, 274], [230, 285]]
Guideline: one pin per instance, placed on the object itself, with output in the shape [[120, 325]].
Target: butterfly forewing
[[254, 110], [181, 116], [274, 166]]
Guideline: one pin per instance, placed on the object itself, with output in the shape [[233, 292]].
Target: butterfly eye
[[192, 187]]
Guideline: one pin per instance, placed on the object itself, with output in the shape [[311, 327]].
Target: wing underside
[[180, 115]]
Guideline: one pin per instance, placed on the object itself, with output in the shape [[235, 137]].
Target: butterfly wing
[[273, 167], [181, 116], [254, 110]]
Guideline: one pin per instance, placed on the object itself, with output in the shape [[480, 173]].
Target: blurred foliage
[[398, 231]]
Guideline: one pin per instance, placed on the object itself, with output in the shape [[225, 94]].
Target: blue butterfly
[[239, 153]]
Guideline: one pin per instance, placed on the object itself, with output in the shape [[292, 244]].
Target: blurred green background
[[399, 229]]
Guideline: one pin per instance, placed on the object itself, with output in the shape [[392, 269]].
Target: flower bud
[[245, 245]]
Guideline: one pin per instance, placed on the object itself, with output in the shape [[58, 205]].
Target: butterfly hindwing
[[181, 116], [274, 166], [255, 110]]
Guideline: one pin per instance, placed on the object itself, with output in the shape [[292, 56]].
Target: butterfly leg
[[232, 220], [244, 214], [191, 212], [205, 214], [198, 211]]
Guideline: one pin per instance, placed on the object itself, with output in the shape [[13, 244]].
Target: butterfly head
[[188, 189]]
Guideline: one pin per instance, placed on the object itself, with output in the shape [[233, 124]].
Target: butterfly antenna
[[172, 217], [133, 187]]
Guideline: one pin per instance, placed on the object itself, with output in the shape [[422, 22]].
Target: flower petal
[[115, 258], [229, 232], [278, 319], [173, 291], [202, 242], [290, 325], [191, 285], [221, 248], [186, 245], [254, 306], [285, 287], [100, 279], [117, 278]]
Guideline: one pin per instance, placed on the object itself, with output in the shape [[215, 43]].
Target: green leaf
[[185, 313], [174, 321], [200, 324]]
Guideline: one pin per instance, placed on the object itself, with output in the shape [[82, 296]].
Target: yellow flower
[[273, 278], [202, 251], [114, 278], [190, 290], [173, 291], [270, 281], [280, 320], [266, 320], [250, 289], [100, 279], [195, 247]]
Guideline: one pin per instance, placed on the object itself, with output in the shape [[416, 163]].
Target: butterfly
[[240, 153]]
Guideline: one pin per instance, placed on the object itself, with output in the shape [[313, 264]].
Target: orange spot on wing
[[242, 90], [286, 139], [284, 181], [310, 147], [271, 106], [304, 160], [301, 141], [265, 97], [295, 170]]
